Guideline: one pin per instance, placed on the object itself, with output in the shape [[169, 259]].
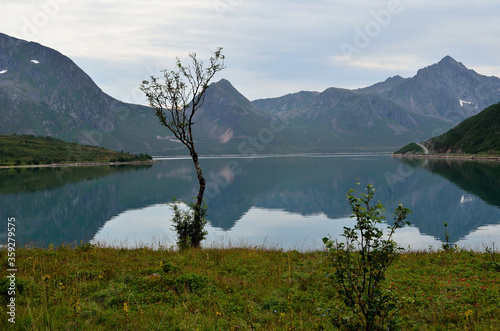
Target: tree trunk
[[198, 236]]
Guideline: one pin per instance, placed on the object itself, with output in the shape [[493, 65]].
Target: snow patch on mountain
[[465, 199], [462, 103], [3, 71], [35, 61]]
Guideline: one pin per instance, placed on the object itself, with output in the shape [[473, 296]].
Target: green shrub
[[359, 265], [186, 227]]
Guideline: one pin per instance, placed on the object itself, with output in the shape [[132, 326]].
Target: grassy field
[[32, 150], [95, 288]]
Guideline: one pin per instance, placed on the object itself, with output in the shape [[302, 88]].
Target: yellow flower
[[218, 314], [468, 313], [125, 308]]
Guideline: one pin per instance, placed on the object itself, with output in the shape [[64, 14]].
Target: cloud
[[384, 62], [272, 47]]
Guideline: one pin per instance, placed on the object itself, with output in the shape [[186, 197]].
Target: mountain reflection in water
[[287, 202]]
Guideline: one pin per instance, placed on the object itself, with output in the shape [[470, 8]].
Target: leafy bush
[[189, 232], [359, 265]]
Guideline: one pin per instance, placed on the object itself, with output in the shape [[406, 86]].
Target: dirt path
[[426, 151]]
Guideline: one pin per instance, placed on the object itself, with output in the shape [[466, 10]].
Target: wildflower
[[125, 308], [218, 314], [468, 313]]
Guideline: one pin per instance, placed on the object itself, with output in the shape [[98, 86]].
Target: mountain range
[[43, 92]]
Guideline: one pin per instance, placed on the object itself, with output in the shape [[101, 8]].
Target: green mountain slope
[[479, 134], [475, 135], [25, 149]]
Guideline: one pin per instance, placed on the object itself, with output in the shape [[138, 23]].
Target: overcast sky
[[272, 47]]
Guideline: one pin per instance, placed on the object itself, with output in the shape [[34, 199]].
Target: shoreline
[[260, 156], [447, 157], [79, 164]]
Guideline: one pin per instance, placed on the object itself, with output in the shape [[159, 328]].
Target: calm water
[[286, 202]]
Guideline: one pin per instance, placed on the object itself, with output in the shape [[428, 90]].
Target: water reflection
[[291, 202], [258, 227]]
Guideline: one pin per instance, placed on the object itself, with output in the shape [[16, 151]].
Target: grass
[[33, 150], [97, 288]]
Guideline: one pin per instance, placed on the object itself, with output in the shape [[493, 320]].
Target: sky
[[272, 47]]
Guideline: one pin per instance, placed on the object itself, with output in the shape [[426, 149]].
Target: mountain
[[475, 135], [434, 100], [347, 120], [228, 123], [479, 134], [43, 92], [446, 91]]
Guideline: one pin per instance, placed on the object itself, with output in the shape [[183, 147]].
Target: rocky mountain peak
[[448, 60], [447, 65]]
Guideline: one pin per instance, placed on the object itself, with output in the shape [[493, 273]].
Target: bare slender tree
[[175, 102]]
